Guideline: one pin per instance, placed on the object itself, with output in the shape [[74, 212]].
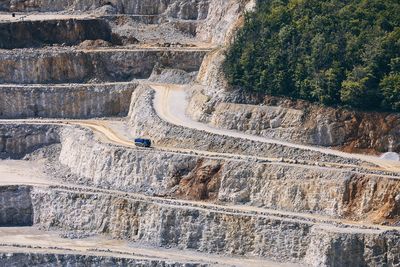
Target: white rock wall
[[18, 140], [65, 66], [182, 9], [78, 101], [49, 260], [144, 121], [15, 206], [212, 231], [335, 193]]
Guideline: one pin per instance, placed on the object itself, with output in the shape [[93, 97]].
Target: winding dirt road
[[111, 131], [170, 104]]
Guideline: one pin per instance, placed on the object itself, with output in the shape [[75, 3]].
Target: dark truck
[[141, 142]]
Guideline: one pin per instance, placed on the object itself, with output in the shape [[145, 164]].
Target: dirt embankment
[[201, 183]]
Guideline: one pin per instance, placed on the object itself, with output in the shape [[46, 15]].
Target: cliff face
[[15, 206], [16, 141], [336, 193], [276, 122], [163, 224], [108, 166], [80, 101], [48, 259], [354, 250], [197, 9], [223, 19], [38, 33], [301, 122], [168, 225], [144, 121], [352, 131], [67, 66]]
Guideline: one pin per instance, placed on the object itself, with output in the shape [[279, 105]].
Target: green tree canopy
[[336, 52]]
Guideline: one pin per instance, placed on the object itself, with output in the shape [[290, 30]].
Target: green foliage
[[336, 52], [391, 90]]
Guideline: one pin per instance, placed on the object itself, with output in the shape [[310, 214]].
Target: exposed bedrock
[[297, 121], [329, 192], [352, 130], [4, 6], [347, 248], [66, 66], [276, 122], [49, 260], [304, 123], [23, 34], [336, 193], [182, 9], [66, 101], [224, 18], [144, 121], [18, 140], [15, 206], [127, 169], [169, 225], [163, 224], [187, 10]]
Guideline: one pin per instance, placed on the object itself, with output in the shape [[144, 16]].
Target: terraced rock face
[[75, 101], [284, 119], [80, 82], [332, 192], [24, 34], [66, 66], [16, 142], [15, 206], [196, 9], [167, 223], [353, 131], [38, 260], [143, 120]]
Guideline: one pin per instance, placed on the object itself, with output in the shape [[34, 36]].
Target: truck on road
[[142, 142]]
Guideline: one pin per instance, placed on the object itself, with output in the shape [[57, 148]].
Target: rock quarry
[[231, 179]]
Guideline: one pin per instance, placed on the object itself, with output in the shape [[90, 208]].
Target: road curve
[[108, 133], [170, 104]]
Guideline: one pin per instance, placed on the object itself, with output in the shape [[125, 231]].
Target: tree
[[391, 91], [329, 51]]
